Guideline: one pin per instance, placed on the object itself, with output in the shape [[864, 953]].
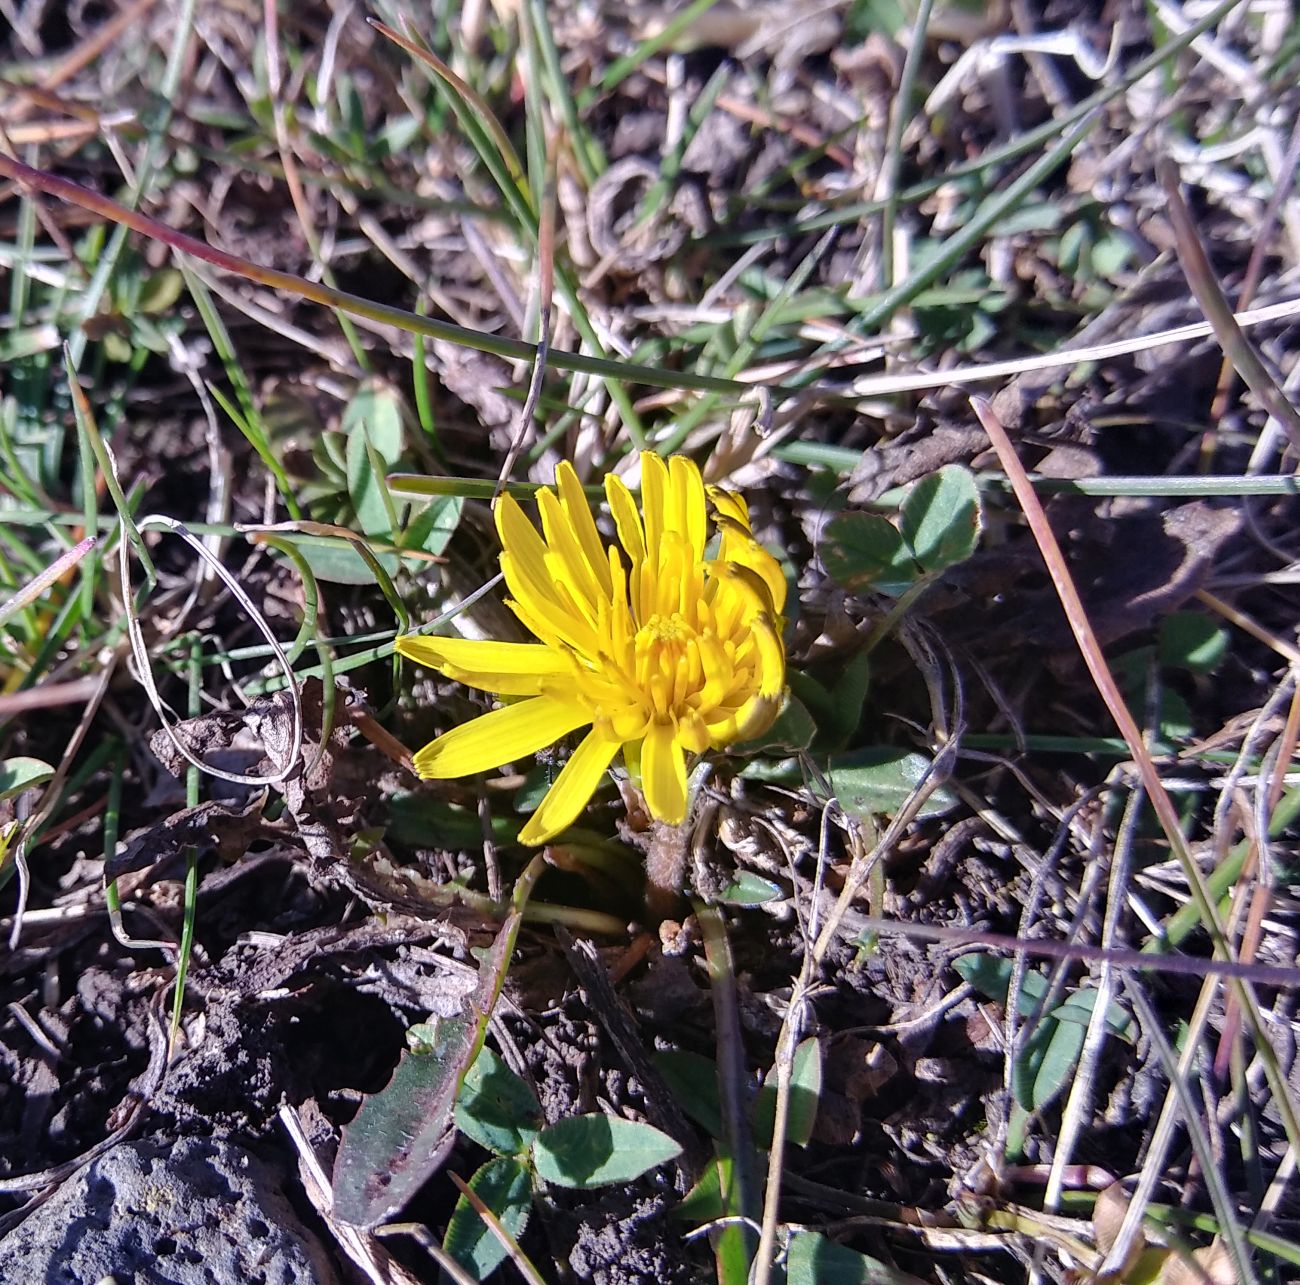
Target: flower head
[[661, 650]]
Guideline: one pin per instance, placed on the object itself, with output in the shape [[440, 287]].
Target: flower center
[[667, 662], [664, 634]]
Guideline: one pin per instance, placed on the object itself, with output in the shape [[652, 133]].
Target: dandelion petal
[[572, 789], [513, 669], [663, 773], [631, 534], [500, 737]]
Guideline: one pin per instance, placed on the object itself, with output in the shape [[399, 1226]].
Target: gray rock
[[193, 1212]]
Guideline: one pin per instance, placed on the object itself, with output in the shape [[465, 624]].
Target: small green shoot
[[498, 1110]]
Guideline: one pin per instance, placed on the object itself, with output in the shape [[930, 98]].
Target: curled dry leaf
[[226, 829], [1209, 1266], [1107, 1218]]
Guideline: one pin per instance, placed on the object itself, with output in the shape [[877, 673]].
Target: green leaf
[[366, 486], [693, 1081], [336, 560], [398, 134], [1018, 1125], [377, 407], [116, 346], [19, 774], [940, 518], [880, 779], [847, 696], [392, 1145], [1192, 641], [793, 729], [704, 1202], [496, 1108], [330, 454], [413, 817], [433, 525], [1077, 1007], [1046, 1063], [596, 1150], [805, 1094], [503, 1185], [815, 1260], [864, 552], [1175, 716], [991, 975], [1111, 255], [373, 417], [161, 290], [748, 889]]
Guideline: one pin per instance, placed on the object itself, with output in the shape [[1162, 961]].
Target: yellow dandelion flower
[[662, 651]]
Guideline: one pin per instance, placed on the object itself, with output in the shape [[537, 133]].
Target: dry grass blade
[[1150, 777], [57, 569], [1205, 286], [1182, 1080], [1085, 952], [361, 1247], [1090, 649], [1288, 651], [47, 696], [517, 1257], [867, 386], [144, 666], [1077, 1111]]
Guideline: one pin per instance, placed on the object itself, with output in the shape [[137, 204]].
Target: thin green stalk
[[85, 420], [94, 561], [191, 896], [292, 530], [621, 68], [248, 419], [894, 147], [421, 391], [535, 131], [1223, 878], [26, 243], [586, 151], [310, 596], [371, 654], [735, 1243]]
